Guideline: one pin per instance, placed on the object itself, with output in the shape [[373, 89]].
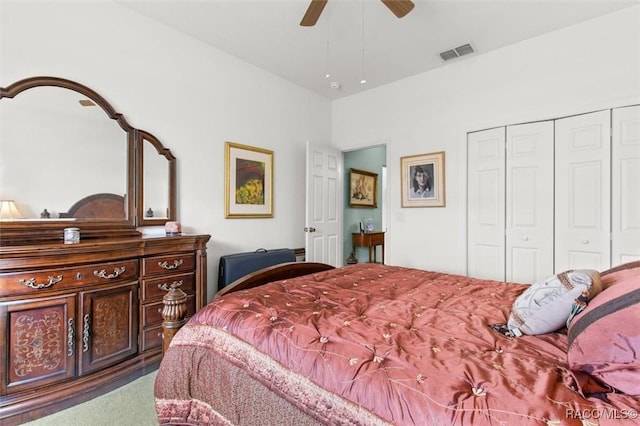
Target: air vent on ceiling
[[465, 49]]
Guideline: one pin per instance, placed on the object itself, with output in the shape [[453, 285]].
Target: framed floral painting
[[422, 180], [248, 186]]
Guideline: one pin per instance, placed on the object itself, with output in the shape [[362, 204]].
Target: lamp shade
[[8, 210]]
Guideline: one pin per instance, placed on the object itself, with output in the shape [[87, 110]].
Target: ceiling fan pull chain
[[363, 80]]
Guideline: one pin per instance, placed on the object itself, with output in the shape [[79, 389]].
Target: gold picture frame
[[248, 175], [423, 180], [363, 189]]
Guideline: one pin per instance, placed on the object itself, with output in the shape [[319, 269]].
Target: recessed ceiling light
[[334, 84]]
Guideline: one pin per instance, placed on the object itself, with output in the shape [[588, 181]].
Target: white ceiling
[[267, 33]]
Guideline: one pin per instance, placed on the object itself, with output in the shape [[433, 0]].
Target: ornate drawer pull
[[173, 285], [116, 273], [31, 283], [70, 334], [85, 334], [165, 264]]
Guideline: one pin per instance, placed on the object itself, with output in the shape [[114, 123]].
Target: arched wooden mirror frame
[[20, 231]]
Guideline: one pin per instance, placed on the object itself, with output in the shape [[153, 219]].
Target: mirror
[[157, 166], [57, 148], [67, 158]]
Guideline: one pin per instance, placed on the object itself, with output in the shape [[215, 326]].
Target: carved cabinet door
[[108, 326], [41, 346]]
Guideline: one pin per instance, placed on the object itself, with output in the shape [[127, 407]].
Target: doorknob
[[309, 229]]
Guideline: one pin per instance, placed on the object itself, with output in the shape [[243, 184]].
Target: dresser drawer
[[156, 288], [179, 262], [151, 338], [152, 313], [377, 239], [30, 282]]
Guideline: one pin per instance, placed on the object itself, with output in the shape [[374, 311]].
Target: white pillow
[[545, 306]]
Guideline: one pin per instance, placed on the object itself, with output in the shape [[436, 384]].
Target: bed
[[372, 344]]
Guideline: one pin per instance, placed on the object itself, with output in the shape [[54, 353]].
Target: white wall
[[191, 96], [582, 68], [194, 98]]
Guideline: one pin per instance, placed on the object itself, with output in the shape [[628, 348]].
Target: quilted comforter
[[373, 344]]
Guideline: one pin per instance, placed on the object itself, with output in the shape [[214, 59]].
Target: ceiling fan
[[399, 8]]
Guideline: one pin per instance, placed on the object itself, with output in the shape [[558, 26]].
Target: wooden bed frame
[[105, 205], [175, 301]]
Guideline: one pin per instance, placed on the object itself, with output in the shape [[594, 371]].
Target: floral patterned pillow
[[546, 305]]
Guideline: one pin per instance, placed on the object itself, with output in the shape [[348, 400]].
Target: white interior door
[[486, 204], [529, 202], [625, 185], [323, 216], [583, 187]]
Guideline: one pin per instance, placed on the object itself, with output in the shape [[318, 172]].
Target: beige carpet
[[131, 404]]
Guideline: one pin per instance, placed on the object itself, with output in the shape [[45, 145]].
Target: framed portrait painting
[[363, 187], [422, 180], [248, 188]]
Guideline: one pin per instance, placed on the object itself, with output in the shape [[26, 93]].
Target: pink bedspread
[[378, 344]]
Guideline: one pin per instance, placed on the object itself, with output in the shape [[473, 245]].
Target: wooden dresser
[[81, 319]]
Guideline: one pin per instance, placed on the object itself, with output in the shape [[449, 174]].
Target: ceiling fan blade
[[399, 7], [313, 13]]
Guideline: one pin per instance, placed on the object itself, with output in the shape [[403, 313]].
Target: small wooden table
[[370, 240]]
